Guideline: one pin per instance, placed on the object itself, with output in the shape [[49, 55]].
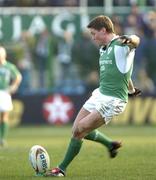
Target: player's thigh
[[92, 121], [82, 114]]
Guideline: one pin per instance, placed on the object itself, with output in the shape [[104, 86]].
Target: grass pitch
[[136, 159]]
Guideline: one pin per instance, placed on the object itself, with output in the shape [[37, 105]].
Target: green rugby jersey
[[116, 64], [8, 72]]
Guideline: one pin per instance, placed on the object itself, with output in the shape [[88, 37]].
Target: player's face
[[98, 35]]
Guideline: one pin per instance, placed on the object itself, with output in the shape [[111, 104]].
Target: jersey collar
[[113, 39]]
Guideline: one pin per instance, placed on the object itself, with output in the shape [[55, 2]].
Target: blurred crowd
[[70, 65], [72, 3]]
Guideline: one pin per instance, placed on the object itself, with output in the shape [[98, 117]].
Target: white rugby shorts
[[5, 101], [107, 106]]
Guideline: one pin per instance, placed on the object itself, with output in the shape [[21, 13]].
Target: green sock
[[97, 136], [73, 149], [3, 130]]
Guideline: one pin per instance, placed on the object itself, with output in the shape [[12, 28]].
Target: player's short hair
[[100, 22]]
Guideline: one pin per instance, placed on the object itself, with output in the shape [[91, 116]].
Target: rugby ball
[[39, 159]]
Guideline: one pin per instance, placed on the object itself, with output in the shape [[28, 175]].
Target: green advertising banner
[[13, 24], [14, 20]]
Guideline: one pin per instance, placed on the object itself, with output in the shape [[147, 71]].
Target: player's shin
[[3, 132], [73, 149]]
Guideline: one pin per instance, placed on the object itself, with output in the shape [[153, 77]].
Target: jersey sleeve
[[124, 58]]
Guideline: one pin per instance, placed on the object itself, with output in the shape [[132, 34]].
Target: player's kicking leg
[[85, 122]]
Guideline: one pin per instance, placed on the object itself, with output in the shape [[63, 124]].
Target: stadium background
[[48, 41]]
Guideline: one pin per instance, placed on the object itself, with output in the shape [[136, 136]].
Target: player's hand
[[125, 39], [136, 93], [12, 89]]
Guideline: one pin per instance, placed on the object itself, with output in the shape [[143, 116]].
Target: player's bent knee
[[76, 134], [80, 131]]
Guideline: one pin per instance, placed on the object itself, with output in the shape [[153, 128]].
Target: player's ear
[[103, 30]]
